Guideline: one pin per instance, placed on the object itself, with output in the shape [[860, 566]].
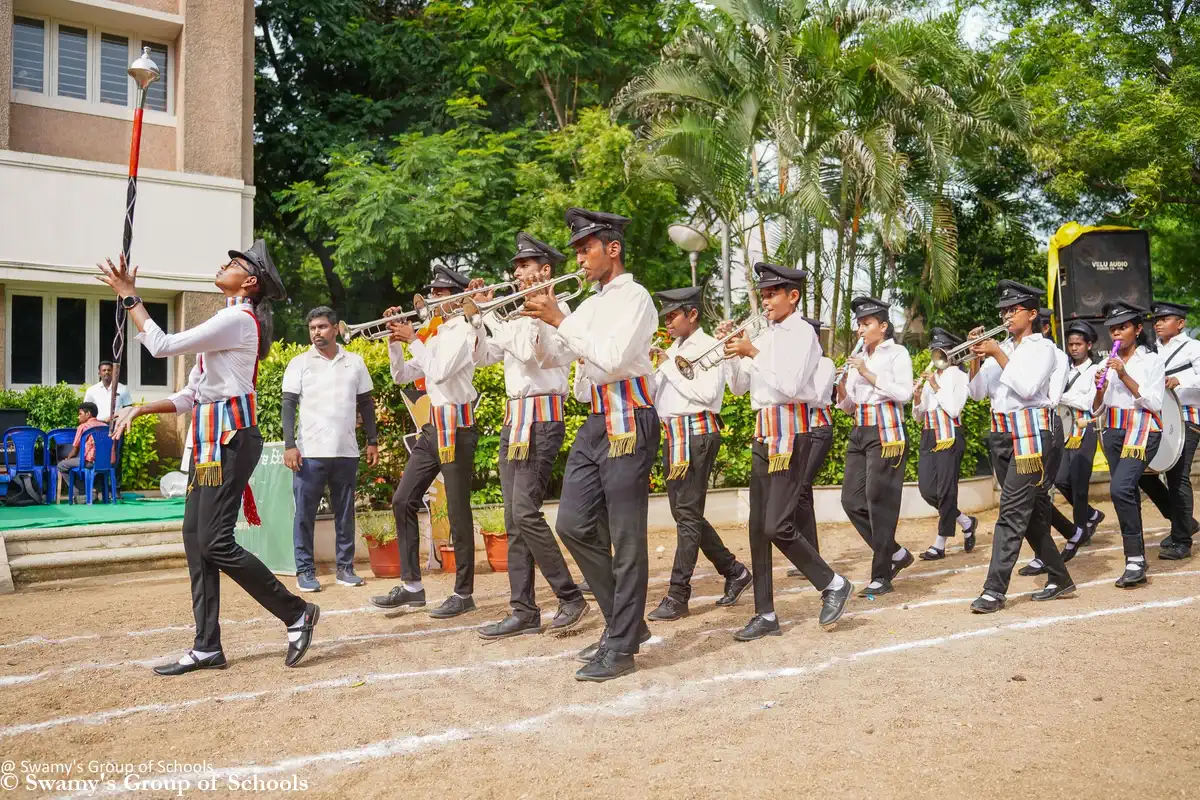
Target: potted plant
[[495, 537], [379, 532]]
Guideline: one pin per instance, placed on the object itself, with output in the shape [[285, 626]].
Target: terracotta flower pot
[[496, 545], [448, 562], [385, 558]]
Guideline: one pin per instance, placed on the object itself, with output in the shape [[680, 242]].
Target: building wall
[[5, 71], [70, 134], [212, 87]]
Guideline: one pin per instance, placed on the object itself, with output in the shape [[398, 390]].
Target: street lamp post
[[691, 241]]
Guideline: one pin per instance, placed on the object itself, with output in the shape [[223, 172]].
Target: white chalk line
[[371, 678], [650, 698]]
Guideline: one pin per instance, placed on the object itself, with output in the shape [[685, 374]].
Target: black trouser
[[937, 477], [616, 567], [820, 442], [1074, 476], [774, 498], [1125, 474], [530, 540], [308, 486], [1024, 513], [871, 492], [1174, 500], [687, 496], [208, 522], [423, 466]]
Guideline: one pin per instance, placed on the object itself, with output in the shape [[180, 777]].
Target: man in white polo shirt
[[331, 387], [101, 393]]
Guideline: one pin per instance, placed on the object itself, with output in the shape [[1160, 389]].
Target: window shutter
[[72, 62], [114, 63], [156, 95], [29, 54]]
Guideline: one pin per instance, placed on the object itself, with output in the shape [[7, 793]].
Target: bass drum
[[1170, 447]]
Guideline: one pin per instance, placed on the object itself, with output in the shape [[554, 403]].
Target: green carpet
[[63, 515]]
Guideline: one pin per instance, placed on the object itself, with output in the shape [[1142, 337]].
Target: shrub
[[141, 467], [50, 407], [377, 529]]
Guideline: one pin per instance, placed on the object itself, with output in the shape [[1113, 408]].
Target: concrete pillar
[[6, 15]]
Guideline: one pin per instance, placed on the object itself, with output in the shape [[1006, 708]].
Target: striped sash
[[617, 401], [888, 416], [678, 432], [942, 425], [1138, 424], [1026, 428], [446, 422], [213, 425], [819, 417], [1079, 423], [1191, 414], [776, 427], [521, 413]]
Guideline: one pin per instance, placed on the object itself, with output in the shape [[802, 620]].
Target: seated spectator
[[88, 414]]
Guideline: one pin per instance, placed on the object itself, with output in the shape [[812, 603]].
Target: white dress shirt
[[1024, 383], [783, 370], [446, 362], [228, 344], [516, 343], [823, 383], [951, 394], [611, 330], [1083, 387], [328, 389], [1058, 378], [100, 395], [1146, 369], [892, 366], [675, 395], [1188, 390]]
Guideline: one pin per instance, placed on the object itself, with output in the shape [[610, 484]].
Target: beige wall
[[73, 135], [211, 88], [248, 92], [168, 6], [5, 71]]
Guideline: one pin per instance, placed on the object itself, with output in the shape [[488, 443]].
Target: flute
[[1104, 375]]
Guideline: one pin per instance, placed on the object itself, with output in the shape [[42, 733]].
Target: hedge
[[732, 466]]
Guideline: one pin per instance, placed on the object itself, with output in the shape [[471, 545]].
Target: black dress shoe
[[933, 554], [1133, 576], [969, 535], [583, 587], [758, 627], [399, 597], [987, 603], [608, 665], [876, 589], [735, 586], [907, 561], [1089, 528], [512, 625], [298, 648], [588, 654], [569, 615], [1053, 591], [215, 661], [1029, 570], [1175, 551], [668, 610], [833, 604], [453, 606]]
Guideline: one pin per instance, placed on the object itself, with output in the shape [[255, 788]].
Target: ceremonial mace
[[144, 72]]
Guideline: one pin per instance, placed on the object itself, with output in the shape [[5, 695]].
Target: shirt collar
[[234, 302], [1182, 339], [617, 282], [341, 351]]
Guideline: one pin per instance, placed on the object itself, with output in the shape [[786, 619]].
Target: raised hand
[[119, 277]]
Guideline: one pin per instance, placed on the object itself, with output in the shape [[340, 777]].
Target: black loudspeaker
[[1102, 266]]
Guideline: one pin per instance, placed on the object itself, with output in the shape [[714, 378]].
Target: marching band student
[[942, 446], [777, 369], [610, 460], [446, 362], [820, 436], [530, 439], [689, 409], [874, 389], [1181, 364], [226, 446], [1131, 398], [1016, 377]]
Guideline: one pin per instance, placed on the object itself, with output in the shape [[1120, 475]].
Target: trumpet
[[841, 371], [474, 310], [751, 327], [441, 306], [378, 328], [961, 354]]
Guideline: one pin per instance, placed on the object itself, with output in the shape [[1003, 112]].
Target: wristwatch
[[130, 302]]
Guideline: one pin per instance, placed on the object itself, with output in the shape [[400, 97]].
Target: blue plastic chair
[[24, 442], [53, 439], [103, 466]]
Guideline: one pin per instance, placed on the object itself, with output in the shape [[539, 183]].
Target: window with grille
[[29, 54], [114, 65]]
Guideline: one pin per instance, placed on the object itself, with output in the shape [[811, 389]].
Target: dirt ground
[[911, 696]]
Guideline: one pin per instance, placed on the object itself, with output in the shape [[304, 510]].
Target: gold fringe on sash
[[622, 444], [678, 470], [892, 449], [940, 444], [517, 451], [779, 462], [1027, 465], [446, 454], [1134, 451], [1074, 442]]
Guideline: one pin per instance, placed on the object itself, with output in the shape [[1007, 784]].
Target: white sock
[[900, 554], [196, 655], [462, 596], [1136, 562], [768, 617], [939, 543], [1036, 563], [964, 521], [414, 587], [874, 585], [836, 584], [1078, 535], [1095, 514], [294, 629]]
